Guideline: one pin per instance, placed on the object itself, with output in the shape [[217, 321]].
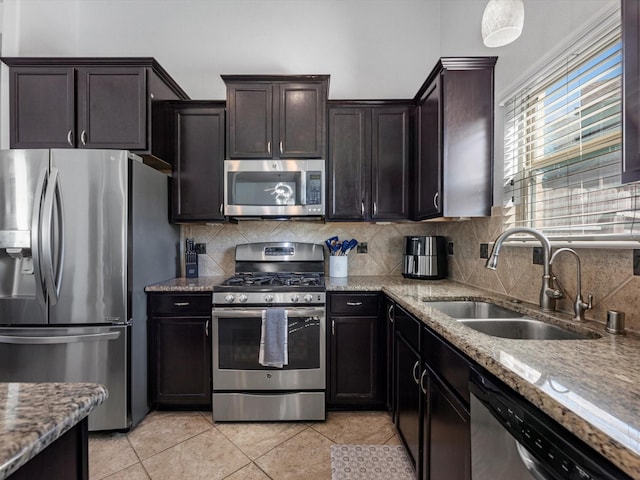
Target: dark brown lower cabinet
[[356, 352], [446, 434], [180, 350], [407, 389], [67, 458]]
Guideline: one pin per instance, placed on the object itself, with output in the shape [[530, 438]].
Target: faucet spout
[[548, 294], [579, 306]]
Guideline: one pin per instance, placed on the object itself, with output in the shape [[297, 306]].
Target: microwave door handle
[[303, 187]]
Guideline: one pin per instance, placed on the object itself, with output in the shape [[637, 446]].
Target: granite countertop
[[200, 284], [34, 415], [591, 387]]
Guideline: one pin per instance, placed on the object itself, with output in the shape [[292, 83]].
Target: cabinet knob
[[70, 138]]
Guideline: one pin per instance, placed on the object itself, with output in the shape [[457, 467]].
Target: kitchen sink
[[522, 328], [498, 321], [472, 309]]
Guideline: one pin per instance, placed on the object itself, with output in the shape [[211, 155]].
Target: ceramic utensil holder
[[338, 266]]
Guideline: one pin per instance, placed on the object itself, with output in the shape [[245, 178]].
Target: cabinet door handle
[[435, 200], [83, 137], [206, 329], [333, 327], [281, 147], [415, 375], [354, 304], [375, 208], [221, 209], [422, 387], [181, 304], [362, 208], [269, 147], [70, 138], [390, 313]]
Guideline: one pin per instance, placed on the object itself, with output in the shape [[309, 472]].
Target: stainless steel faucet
[[548, 294], [579, 306]]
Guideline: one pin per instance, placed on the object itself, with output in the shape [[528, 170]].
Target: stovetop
[[275, 279]]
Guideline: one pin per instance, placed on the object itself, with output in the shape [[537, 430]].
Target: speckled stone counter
[[200, 284], [34, 415], [591, 387]]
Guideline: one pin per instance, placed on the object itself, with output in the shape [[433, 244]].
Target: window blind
[[563, 147]]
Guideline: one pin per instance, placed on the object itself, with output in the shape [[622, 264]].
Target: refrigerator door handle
[[36, 227], [53, 275], [49, 340]]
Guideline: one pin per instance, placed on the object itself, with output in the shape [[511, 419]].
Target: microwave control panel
[[314, 188]]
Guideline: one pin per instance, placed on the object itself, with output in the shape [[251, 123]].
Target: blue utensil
[[331, 245], [343, 247], [350, 244]]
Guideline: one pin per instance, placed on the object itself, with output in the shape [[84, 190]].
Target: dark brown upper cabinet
[[369, 153], [194, 133], [279, 116], [631, 90], [454, 164], [85, 102]]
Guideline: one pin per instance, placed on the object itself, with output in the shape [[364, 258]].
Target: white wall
[[371, 48]]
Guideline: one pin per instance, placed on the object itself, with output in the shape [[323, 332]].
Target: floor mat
[[370, 462]]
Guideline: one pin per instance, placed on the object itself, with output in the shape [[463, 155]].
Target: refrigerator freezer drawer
[[72, 354]]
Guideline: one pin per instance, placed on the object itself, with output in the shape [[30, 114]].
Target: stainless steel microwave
[[274, 188]]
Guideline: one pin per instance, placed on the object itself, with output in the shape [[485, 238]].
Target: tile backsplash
[[384, 242], [606, 273]]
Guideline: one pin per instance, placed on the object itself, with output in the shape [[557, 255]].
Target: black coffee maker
[[425, 257]]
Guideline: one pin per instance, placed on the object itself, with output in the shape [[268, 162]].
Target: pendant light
[[502, 22]]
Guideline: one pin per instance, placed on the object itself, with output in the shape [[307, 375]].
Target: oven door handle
[[246, 313]]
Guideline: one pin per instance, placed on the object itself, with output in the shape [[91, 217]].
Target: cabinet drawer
[[192, 304], [353, 304], [447, 363]]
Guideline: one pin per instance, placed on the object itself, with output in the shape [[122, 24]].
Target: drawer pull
[[354, 304], [206, 328], [422, 377], [181, 304]]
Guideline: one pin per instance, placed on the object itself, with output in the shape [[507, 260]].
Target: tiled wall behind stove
[[606, 273], [384, 242]]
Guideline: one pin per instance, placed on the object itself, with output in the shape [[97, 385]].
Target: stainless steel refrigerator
[[82, 232]]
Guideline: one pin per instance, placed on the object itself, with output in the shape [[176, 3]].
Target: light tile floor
[[188, 445]]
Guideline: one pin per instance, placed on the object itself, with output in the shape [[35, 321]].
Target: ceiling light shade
[[502, 22]]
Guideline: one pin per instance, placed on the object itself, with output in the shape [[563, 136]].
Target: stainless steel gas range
[[278, 275]]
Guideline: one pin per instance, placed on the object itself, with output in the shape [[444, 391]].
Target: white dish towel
[[274, 350]]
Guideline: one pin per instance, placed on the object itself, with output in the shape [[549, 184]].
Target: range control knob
[[268, 298], [242, 298], [308, 298], [229, 298], [295, 298]]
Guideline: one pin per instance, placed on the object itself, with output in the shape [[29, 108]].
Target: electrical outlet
[[450, 248], [484, 250], [361, 247], [636, 262], [538, 256], [201, 248]]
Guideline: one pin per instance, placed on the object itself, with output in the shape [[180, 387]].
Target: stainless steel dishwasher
[[513, 440]]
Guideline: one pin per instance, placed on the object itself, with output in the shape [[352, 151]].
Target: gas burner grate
[[276, 280]]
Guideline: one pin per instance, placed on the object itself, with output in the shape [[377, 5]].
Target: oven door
[[236, 347], [273, 188]]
